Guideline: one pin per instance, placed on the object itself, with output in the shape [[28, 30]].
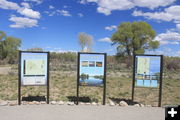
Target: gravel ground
[[80, 112]]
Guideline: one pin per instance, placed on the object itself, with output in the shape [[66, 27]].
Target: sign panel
[[147, 71], [91, 69], [34, 68]]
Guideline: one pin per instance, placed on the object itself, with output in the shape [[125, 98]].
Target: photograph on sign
[[147, 71], [34, 68], [91, 69]]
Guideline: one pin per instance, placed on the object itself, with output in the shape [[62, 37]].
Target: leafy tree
[[2, 35], [2, 38], [9, 47], [134, 38], [85, 41]]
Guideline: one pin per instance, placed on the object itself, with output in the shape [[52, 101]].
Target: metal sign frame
[[19, 75], [104, 80], [160, 80]]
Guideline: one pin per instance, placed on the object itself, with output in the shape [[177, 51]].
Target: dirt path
[[81, 112]]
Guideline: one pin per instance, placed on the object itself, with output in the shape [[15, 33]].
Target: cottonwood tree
[[134, 38], [85, 41], [2, 38], [9, 46]]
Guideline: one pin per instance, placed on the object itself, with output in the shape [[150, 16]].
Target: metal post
[[133, 81], [48, 78], [77, 97], [19, 79], [104, 91], [160, 84]]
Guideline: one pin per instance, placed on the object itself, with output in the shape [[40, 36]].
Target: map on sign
[[143, 65], [147, 71], [35, 67]]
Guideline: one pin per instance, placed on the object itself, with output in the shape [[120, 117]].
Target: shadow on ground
[[34, 98], [81, 99], [128, 101]]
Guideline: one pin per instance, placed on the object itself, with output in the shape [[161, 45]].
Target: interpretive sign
[[91, 70], [33, 70], [148, 72]]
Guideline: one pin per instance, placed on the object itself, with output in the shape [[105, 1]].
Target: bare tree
[[85, 41]]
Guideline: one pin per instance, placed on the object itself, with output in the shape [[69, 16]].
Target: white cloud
[[65, 6], [47, 12], [169, 37], [106, 39], [82, 1], [178, 27], [171, 13], [111, 28], [152, 3], [166, 51], [29, 13], [4, 4], [64, 13], [80, 15], [104, 10], [106, 6], [51, 13], [26, 5], [22, 22], [177, 21], [36, 1], [58, 12], [86, 1], [156, 15], [24, 10], [51, 7]]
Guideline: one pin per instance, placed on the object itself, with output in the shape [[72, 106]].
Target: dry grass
[[119, 86]]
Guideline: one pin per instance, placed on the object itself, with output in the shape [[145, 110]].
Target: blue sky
[[54, 24]]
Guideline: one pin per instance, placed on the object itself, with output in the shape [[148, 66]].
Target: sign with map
[[143, 65], [34, 68], [147, 71], [91, 69]]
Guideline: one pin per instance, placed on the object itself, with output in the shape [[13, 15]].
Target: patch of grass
[[119, 85]]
